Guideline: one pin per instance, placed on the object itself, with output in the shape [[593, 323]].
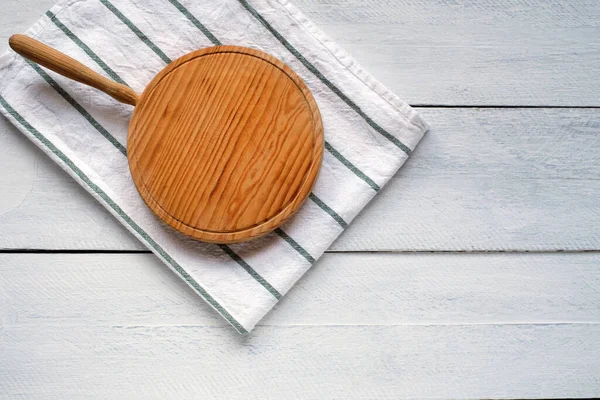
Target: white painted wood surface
[[511, 179], [472, 326], [349, 289], [359, 325], [510, 52]]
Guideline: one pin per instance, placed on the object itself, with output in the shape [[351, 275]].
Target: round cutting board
[[225, 144]]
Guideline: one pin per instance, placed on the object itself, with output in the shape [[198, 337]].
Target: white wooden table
[[475, 273]]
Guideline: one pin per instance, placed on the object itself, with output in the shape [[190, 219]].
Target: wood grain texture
[[225, 144], [384, 326], [511, 179], [62, 64]]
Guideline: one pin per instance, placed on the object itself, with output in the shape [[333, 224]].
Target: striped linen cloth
[[369, 132]]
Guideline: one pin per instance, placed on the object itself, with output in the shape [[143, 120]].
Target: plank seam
[[499, 106], [406, 252]]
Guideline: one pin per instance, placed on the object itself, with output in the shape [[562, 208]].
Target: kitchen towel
[[369, 132]]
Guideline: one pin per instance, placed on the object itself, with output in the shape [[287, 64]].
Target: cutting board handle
[[62, 64]]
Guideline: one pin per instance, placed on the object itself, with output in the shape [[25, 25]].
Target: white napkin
[[369, 132]]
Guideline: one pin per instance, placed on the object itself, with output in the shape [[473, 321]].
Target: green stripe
[[195, 21], [328, 210], [78, 107], [351, 167], [135, 30], [124, 216], [323, 79], [85, 48], [295, 245], [250, 270]]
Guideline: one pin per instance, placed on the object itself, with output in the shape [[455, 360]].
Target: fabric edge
[[349, 63]]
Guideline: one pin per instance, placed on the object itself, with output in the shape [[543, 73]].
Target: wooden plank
[[493, 179], [482, 179], [463, 53], [360, 326], [392, 362], [459, 53], [41, 290]]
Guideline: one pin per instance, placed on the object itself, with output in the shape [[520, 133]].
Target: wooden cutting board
[[225, 144]]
